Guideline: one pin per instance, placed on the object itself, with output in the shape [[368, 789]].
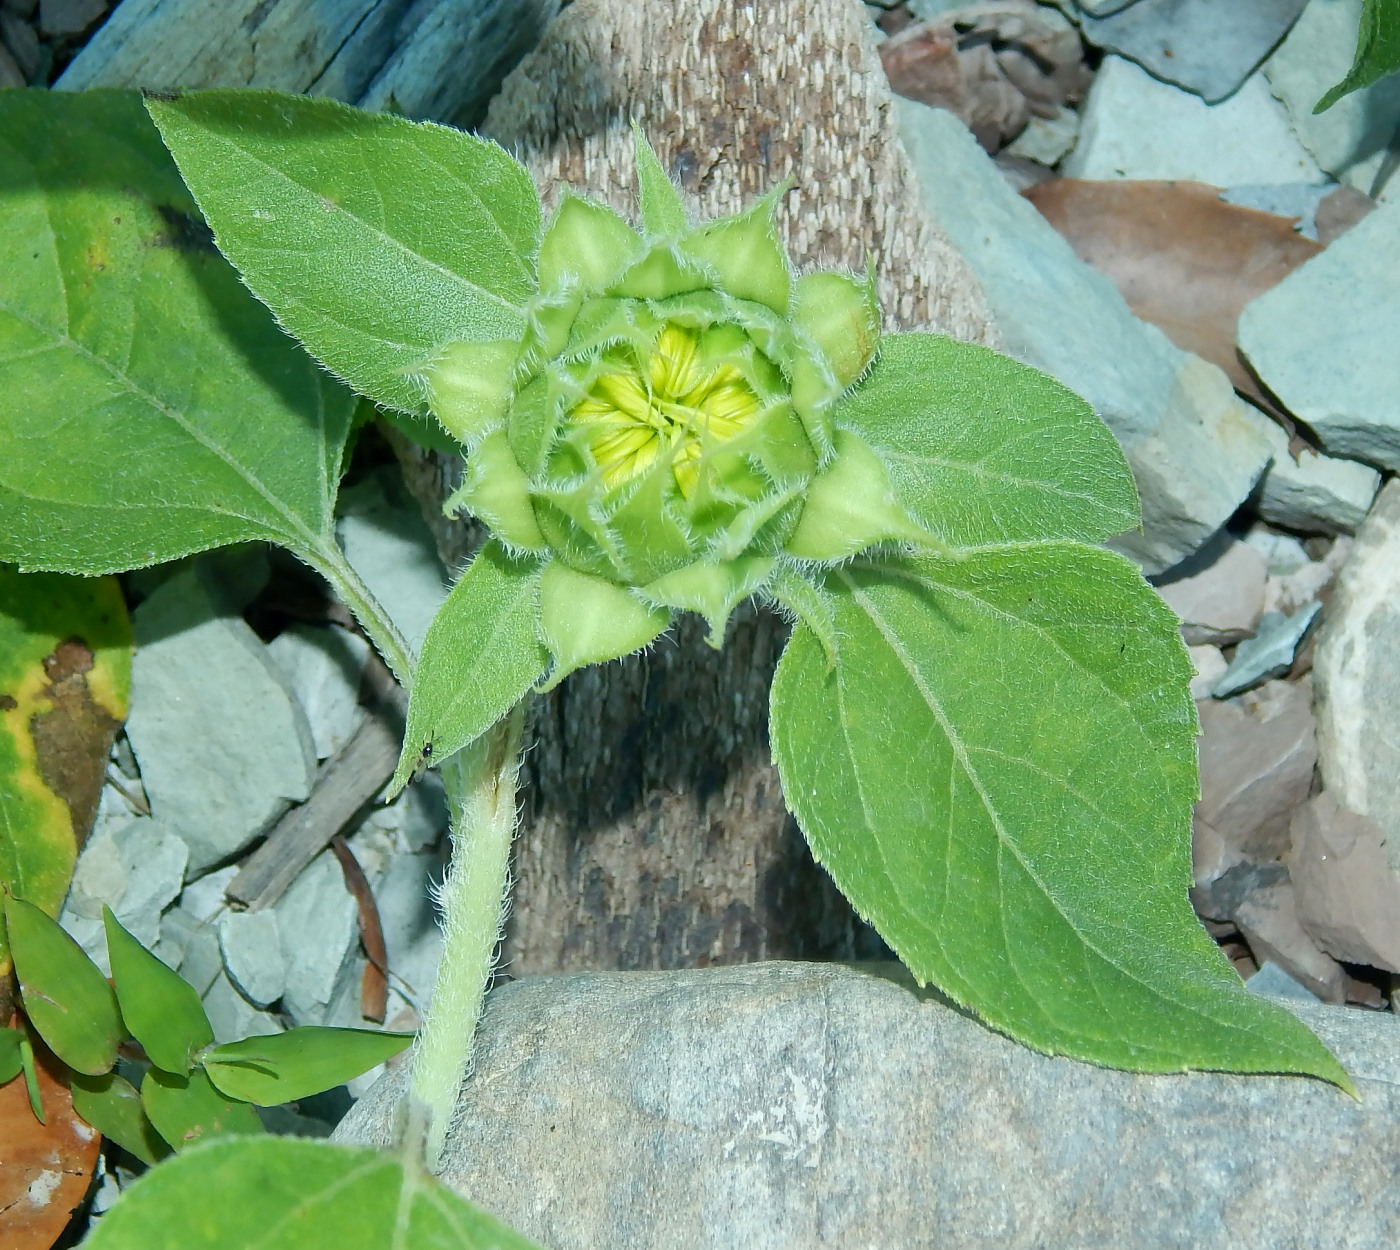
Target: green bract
[[665, 432]]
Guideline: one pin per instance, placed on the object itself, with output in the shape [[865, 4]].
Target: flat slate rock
[[1195, 449], [1134, 126], [1324, 341], [1205, 46], [788, 1106], [222, 744]]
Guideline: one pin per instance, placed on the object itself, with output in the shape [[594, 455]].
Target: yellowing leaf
[[65, 670]]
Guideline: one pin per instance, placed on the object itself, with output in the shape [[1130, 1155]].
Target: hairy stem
[[330, 562], [480, 782]]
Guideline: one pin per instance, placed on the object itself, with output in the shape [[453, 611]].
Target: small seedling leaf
[[66, 997], [11, 1058], [152, 406], [161, 1009], [283, 1067], [288, 1193], [185, 1109], [983, 449], [65, 668], [999, 774], [113, 1107], [375, 240], [480, 656]]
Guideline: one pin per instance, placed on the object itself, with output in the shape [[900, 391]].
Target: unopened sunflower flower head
[[666, 434]]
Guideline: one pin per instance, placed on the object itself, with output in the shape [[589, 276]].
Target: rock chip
[[785, 1106], [316, 918], [1202, 45], [1210, 666], [1348, 895], [1195, 449], [322, 664], [1358, 677], [1133, 126], [1269, 653], [1314, 493], [1288, 592], [68, 17], [1257, 755], [222, 744], [1218, 592], [1273, 982], [1350, 139], [1323, 340], [232, 1017], [252, 949], [1268, 919]]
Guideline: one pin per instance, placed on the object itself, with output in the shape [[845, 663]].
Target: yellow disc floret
[[676, 403]]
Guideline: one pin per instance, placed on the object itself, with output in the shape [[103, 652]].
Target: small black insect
[[425, 757]]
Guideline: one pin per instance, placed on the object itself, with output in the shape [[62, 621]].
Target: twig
[[374, 988]]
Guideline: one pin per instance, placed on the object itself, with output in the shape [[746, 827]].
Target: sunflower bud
[[664, 433]]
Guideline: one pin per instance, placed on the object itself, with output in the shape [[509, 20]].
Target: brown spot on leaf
[[7, 703], [73, 739]]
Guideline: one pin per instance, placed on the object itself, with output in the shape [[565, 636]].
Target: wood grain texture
[[654, 832]]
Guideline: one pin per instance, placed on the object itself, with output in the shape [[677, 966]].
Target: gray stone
[[1323, 340], [411, 934], [1195, 449], [1268, 921], [1273, 982], [204, 898], [1269, 653], [135, 870], [1257, 755], [317, 921], [417, 817], [199, 959], [252, 949], [1348, 896], [233, 1017], [1209, 663], [1218, 593], [1288, 592], [771, 1106], [1315, 494], [222, 744], [439, 59], [390, 547], [1286, 199], [1358, 678], [1046, 140], [1205, 46], [1350, 139], [1283, 554], [1133, 126], [68, 17], [323, 666]]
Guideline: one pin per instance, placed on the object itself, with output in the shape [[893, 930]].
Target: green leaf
[[1377, 51], [185, 1109], [153, 408], [60, 705], [66, 997], [11, 1061], [983, 450], [662, 209], [480, 655], [161, 1009], [286, 1193], [298, 1063], [113, 1107], [374, 239], [999, 774]]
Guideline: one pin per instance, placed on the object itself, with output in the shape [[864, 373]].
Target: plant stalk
[[330, 562], [480, 781]]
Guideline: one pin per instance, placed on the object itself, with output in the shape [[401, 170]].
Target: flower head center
[[675, 403]]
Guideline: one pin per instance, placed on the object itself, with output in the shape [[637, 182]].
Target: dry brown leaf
[[1184, 259], [45, 1169], [993, 65]]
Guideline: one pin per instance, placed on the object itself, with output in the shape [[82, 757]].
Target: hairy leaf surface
[[480, 655], [375, 240], [999, 775], [293, 1193], [152, 406], [983, 449]]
